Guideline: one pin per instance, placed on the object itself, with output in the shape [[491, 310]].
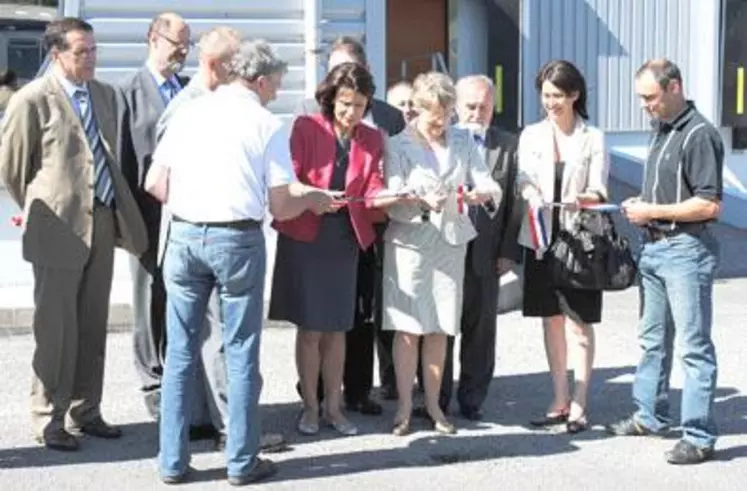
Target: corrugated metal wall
[[121, 26], [607, 40]]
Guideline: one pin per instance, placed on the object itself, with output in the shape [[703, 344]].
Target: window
[[24, 57]]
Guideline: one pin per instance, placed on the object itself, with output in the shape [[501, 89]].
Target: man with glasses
[[146, 94], [57, 163]]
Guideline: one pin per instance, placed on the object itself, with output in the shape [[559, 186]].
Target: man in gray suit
[[217, 47], [359, 342], [147, 93], [491, 254], [57, 163]]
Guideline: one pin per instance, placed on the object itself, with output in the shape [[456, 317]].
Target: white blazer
[[406, 167], [586, 169]]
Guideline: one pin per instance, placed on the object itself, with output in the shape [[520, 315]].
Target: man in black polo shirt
[[681, 196]]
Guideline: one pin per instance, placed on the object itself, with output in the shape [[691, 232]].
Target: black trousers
[[477, 346], [367, 333]]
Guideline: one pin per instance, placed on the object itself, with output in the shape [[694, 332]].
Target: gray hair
[[468, 80], [255, 59], [433, 89]]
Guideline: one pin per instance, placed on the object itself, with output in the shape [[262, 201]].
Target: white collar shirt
[[224, 151]]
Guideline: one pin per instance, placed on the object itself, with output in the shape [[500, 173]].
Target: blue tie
[[102, 179], [169, 90]]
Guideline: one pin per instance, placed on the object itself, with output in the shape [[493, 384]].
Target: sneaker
[[685, 453], [261, 470]]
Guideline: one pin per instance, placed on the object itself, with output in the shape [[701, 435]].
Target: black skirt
[[541, 297]]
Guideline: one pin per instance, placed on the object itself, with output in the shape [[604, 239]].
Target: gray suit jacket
[[497, 236], [384, 116], [47, 165], [143, 106]]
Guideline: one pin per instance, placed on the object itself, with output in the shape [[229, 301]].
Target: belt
[[653, 234], [245, 224]]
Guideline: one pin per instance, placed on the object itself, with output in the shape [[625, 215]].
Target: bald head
[[217, 47], [168, 43], [475, 100]]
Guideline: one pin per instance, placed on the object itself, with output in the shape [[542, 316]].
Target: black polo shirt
[[685, 159]]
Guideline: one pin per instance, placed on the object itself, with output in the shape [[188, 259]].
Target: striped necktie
[[102, 179]]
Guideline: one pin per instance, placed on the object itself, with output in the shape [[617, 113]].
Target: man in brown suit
[[56, 161]]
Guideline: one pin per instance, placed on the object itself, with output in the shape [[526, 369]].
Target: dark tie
[[102, 179]]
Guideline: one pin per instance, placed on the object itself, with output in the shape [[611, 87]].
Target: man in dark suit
[[492, 253], [58, 164], [147, 93], [359, 351]]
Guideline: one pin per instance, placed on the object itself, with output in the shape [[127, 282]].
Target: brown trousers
[[69, 325]]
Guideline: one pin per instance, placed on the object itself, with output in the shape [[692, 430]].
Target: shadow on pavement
[[512, 402]]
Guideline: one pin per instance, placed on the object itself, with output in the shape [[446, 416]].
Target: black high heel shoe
[[551, 419], [577, 425]]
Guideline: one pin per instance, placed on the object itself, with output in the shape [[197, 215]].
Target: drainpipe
[[312, 16]]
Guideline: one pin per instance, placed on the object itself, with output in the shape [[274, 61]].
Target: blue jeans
[[197, 259], [677, 277]]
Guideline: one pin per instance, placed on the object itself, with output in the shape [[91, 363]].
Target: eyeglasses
[[177, 44]]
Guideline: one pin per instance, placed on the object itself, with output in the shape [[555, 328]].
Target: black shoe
[[365, 406], [177, 479], [262, 470], [550, 419], [100, 429], [203, 432], [628, 427], [60, 440], [471, 413], [685, 453]]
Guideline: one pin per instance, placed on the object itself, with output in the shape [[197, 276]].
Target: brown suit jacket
[[47, 166]]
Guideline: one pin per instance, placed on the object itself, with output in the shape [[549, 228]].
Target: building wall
[[609, 39], [121, 27]]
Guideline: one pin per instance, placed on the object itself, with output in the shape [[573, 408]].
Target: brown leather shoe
[[100, 429], [60, 440]]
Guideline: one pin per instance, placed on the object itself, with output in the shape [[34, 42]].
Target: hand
[[503, 266], [434, 200], [584, 199], [476, 198], [630, 201], [638, 212], [324, 201], [533, 197]]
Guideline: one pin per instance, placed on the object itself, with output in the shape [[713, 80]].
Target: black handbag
[[592, 256]]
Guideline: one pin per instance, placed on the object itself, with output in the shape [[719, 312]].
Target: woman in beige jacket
[[562, 159]]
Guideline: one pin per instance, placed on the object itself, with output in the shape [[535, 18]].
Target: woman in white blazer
[[562, 159], [426, 240]]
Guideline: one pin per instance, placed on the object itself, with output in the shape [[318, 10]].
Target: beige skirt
[[422, 287]]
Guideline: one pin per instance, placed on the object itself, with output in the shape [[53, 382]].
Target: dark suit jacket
[[497, 237], [143, 106], [385, 116], [313, 150]]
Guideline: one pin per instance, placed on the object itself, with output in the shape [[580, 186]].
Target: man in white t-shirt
[[223, 157]]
